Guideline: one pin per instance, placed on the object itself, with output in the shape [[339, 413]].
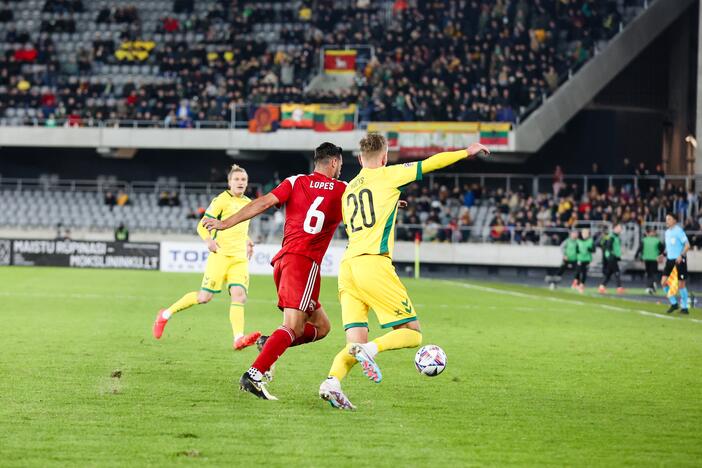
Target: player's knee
[[238, 294], [203, 297], [414, 325]]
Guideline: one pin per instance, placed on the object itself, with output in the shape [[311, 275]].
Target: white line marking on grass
[[568, 301], [103, 296]]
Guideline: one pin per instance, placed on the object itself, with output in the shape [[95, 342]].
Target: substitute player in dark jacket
[[650, 249], [612, 252]]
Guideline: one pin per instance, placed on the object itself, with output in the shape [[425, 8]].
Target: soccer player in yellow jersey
[[227, 264], [367, 278]]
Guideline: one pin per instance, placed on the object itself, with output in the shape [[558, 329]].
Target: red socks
[[275, 346], [278, 342], [308, 335]]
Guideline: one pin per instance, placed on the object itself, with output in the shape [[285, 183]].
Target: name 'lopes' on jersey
[[312, 213]]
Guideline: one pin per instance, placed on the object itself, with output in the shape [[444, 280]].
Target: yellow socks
[[236, 317], [395, 339], [183, 303], [343, 362], [400, 338]]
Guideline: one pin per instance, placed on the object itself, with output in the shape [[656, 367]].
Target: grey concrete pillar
[[698, 107]]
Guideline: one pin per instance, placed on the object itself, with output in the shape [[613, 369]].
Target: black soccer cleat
[[254, 387], [672, 309], [684, 311], [261, 342]]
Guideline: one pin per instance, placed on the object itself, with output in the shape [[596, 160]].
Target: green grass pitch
[[533, 378]]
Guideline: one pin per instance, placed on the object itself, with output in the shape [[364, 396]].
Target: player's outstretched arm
[[441, 160], [254, 208]]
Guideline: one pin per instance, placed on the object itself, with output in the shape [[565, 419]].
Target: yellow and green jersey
[[369, 207], [232, 241]]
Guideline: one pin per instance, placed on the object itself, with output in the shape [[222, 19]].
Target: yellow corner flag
[[673, 282]]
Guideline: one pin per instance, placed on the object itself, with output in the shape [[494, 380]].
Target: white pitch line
[[95, 296], [568, 301], [102, 296]]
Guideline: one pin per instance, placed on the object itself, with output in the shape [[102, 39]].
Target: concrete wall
[[164, 138]]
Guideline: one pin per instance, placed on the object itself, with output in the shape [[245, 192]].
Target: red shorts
[[297, 280]]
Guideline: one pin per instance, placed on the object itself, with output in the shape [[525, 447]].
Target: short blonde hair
[[236, 168], [372, 145]]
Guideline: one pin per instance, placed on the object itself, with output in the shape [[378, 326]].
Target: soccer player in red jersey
[[312, 214]]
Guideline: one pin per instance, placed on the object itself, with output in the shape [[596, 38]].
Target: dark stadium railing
[[526, 183], [108, 184], [543, 183]]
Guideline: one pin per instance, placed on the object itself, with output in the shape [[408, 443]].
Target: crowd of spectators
[[442, 213], [468, 60]]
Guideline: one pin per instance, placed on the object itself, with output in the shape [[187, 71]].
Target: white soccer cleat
[[330, 391], [370, 367]]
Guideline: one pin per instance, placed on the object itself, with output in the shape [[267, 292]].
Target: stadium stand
[[75, 63], [439, 211]]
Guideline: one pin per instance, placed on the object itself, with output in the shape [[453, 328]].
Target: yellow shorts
[[225, 271], [370, 281]]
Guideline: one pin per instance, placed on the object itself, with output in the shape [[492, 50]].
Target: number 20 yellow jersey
[[369, 207]]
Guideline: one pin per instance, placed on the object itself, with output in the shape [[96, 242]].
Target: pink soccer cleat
[[602, 290], [159, 324], [246, 340], [620, 290]]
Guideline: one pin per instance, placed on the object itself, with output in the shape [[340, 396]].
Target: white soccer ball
[[430, 360]]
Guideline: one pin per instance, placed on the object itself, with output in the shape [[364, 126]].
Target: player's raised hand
[[211, 223], [402, 204], [476, 149]]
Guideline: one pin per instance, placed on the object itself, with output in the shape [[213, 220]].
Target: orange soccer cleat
[[602, 290], [574, 284], [620, 290], [159, 324], [246, 340]]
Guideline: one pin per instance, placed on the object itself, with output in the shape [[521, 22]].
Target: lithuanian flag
[[297, 115], [494, 133], [334, 118], [393, 140]]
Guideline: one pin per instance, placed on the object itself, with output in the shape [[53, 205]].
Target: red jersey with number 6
[[312, 214]]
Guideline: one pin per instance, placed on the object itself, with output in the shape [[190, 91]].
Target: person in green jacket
[[650, 248], [584, 256], [569, 251], [612, 252]]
